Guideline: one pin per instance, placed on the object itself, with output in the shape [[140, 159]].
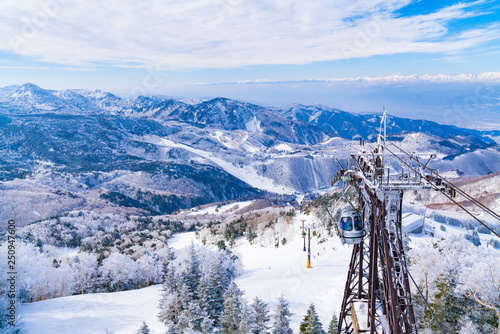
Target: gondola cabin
[[351, 227]]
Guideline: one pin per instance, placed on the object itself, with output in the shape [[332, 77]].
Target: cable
[[425, 301], [463, 193], [449, 197]]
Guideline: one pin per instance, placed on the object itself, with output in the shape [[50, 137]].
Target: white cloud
[[194, 34]]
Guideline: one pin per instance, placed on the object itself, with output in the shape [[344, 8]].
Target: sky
[[271, 52]]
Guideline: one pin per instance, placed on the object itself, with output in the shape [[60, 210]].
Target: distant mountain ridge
[[295, 123], [92, 150]]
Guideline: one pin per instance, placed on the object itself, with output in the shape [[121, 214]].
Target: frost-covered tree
[[85, 270], [424, 260], [169, 273], [213, 286], [149, 269], [171, 307], [281, 324], [144, 329], [261, 316], [207, 326], [170, 302], [233, 306], [171, 328], [119, 270], [191, 318], [192, 275], [209, 299], [311, 323], [39, 278], [480, 280], [467, 326], [247, 322], [333, 326]]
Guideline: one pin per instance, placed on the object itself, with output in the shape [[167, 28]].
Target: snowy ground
[[268, 272]]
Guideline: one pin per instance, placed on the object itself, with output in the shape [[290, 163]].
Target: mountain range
[[92, 150]]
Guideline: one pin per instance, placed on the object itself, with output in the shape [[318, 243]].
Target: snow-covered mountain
[[92, 150]]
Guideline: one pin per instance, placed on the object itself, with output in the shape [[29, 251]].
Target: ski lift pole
[[303, 234], [308, 247]]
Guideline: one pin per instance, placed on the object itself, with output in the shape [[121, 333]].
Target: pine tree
[[247, 322], [231, 316], [170, 303], [281, 323], [211, 290], [170, 307], [311, 323], [144, 329], [191, 318], [332, 328], [446, 305], [192, 275], [171, 328], [209, 300], [207, 325], [261, 315]]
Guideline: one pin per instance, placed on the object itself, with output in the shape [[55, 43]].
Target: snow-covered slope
[[268, 273]]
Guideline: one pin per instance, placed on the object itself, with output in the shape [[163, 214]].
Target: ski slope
[[268, 273]]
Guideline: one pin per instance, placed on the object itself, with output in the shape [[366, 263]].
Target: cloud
[[199, 34], [439, 78]]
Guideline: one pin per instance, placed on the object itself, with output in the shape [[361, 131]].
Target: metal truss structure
[[377, 297]]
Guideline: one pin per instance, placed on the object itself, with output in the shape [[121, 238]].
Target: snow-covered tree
[[333, 326], [119, 269], [171, 328], [149, 269], [191, 318], [233, 306], [192, 275], [144, 329], [424, 260], [207, 326], [85, 271], [212, 289], [169, 274], [480, 280], [261, 315], [281, 324], [467, 326], [311, 323], [209, 299], [171, 307], [247, 322]]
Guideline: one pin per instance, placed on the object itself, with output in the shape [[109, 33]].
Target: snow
[[223, 209], [253, 125], [121, 312], [268, 273], [283, 147], [243, 172]]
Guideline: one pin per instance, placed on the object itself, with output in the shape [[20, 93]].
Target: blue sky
[[201, 48]]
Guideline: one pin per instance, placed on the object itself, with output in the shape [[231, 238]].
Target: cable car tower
[[377, 297]]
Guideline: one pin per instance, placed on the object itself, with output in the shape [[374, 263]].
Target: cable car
[[351, 227]]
